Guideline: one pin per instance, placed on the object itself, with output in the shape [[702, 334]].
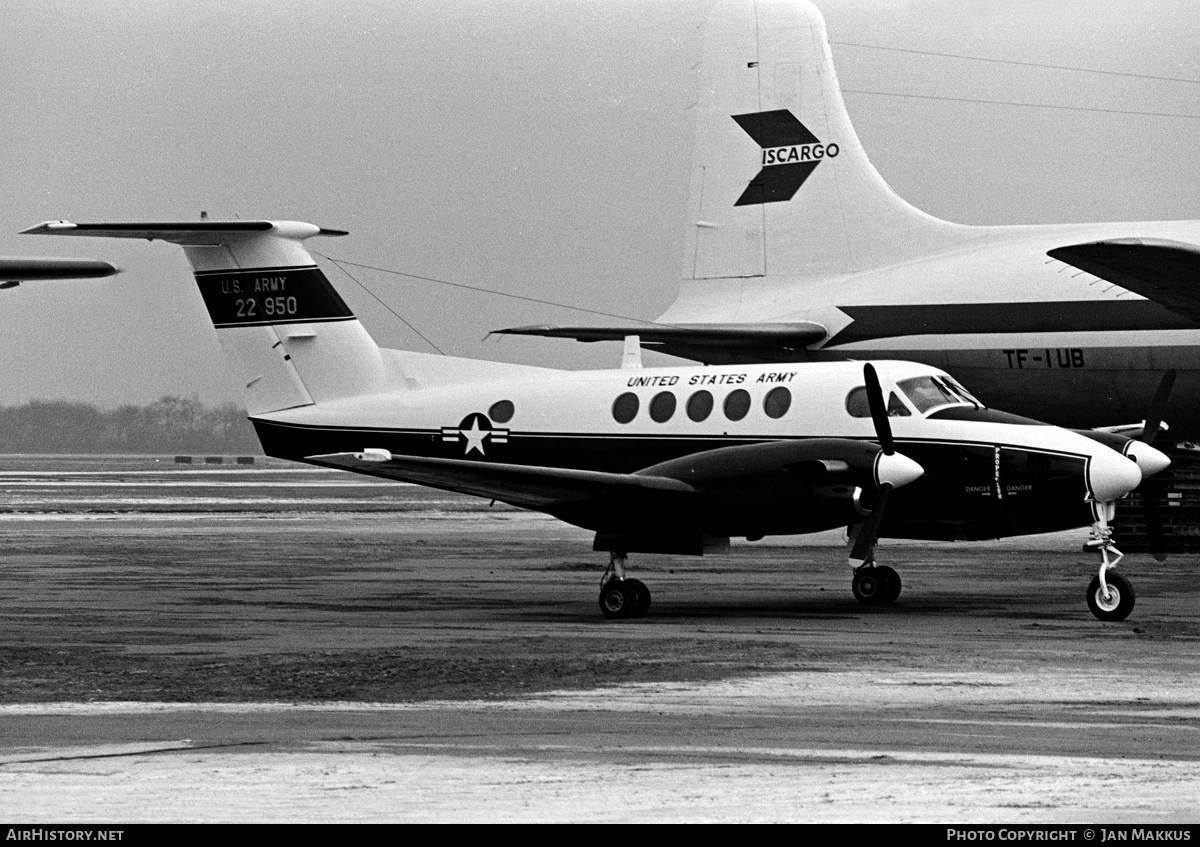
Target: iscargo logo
[[789, 154]]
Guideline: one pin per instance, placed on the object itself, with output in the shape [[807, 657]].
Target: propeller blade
[[879, 415], [870, 528], [1155, 536], [1157, 406]]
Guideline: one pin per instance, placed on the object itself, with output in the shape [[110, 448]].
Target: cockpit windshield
[[957, 388], [929, 392]]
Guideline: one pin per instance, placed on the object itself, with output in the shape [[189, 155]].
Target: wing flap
[[1166, 272]]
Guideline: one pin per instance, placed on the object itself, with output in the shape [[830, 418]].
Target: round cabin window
[[700, 406], [737, 404], [662, 407], [502, 411], [777, 402], [857, 404], [625, 407]]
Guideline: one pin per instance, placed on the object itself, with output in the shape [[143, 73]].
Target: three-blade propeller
[[891, 469]]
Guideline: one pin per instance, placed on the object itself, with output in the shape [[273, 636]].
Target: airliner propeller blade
[[1152, 491], [1157, 406]]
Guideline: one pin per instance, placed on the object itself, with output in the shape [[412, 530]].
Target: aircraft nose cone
[[1149, 460], [1111, 475], [896, 469]]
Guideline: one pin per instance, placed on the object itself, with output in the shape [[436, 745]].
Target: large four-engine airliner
[[659, 460], [797, 250]]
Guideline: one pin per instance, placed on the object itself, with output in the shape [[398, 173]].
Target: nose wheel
[[1116, 603]]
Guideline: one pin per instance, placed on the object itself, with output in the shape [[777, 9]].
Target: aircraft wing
[[708, 343], [808, 463], [14, 269], [1167, 272], [527, 486]]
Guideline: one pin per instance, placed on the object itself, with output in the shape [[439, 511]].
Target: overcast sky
[[540, 148]]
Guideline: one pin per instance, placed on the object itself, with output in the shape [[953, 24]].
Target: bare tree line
[[168, 425]]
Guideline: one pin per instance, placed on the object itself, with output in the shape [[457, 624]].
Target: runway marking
[[1082, 722], [127, 750], [803, 754]]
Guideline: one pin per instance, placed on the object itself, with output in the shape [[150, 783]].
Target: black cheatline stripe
[[319, 428]]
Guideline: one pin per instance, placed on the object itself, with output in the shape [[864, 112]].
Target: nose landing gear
[[1109, 596]]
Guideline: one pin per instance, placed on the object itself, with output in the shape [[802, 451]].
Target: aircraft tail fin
[[284, 327], [781, 185]]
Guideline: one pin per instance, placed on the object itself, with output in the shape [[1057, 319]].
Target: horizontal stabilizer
[[183, 232], [528, 486], [19, 268], [709, 343], [1166, 272]]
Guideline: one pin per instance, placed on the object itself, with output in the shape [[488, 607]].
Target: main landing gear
[[876, 585], [1109, 596], [621, 597]]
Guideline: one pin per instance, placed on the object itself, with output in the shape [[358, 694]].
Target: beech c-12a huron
[[798, 250], [657, 460]]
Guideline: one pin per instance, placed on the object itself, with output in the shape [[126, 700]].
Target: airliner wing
[[709, 343], [1167, 272], [14, 269], [527, 486]]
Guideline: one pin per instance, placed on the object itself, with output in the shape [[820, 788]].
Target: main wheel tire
[[618, 600], [1119, 603], [642, 593], [892, 584], [869, 588]]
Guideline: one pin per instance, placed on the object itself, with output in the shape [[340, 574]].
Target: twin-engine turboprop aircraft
[[663, 460]]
